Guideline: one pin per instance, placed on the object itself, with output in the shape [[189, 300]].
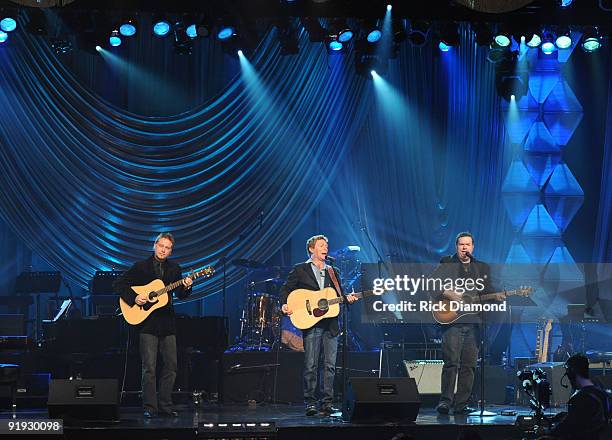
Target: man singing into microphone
[[459, 339], [315, 274]]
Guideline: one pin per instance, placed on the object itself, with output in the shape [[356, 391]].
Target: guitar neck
[[490, 296], [178, 283], [361, 294]]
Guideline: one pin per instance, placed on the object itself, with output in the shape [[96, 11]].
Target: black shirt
[[161, 321], [587, 415]]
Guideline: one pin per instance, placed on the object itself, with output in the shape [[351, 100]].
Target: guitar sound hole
[[147, 306], [322, 304]]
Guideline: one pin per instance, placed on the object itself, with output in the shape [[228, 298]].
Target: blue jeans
[[313, 338], [460, 352], [149, 346]]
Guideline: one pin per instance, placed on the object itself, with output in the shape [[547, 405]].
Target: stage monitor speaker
[[84, 399], [427, 373], [373, 399]]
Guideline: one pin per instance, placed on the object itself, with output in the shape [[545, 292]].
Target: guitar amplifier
[[554, 373], [427, 374]]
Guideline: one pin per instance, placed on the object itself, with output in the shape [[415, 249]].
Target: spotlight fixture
[[591, 40], [548, 45], [443, 46], [564, 38], [335, 45], [128, 28], [564, 3], [503, 37], [191, 31], [8, 24], [161, 26], [533, 41], [449, 34], [3, 37], [183, 44], [339, 30], [226, 32], [417, 33], [511, 79], [115, 38], [374, 36]]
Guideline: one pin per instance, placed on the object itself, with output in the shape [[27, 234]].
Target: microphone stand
[[481, 412], [381, 261]]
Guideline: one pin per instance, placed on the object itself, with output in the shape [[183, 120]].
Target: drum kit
[[262, 324]]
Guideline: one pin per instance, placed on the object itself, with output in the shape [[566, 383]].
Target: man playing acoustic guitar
[[459, 339], [157, 332], [315, 275]]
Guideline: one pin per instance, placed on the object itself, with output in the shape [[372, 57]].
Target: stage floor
[[282, 421]]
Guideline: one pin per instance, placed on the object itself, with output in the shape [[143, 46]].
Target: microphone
[[561, 381], [330, 259], [470, 256]]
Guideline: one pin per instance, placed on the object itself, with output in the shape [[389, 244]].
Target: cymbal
[[248, 264], [277, 281]]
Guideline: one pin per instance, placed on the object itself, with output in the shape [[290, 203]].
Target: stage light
[[374, 35], [115, 39], [565, 3], [389, 7], [533, 41], [512, 97], [373, 73], [335, 45], [449, 34], [417, 34], [161, 28], [8, 24], [591, 40], [191, 31], [443, 47], [548, 45], [183, 44], [226, 32], [99, 48], [3, 37], [345, 35], [511, 78], [128, 28], [502, 40], [564, 39]]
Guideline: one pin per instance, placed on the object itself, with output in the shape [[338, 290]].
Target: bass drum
[[291, 336]]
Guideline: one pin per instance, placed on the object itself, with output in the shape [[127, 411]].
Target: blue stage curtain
[[88, 185]]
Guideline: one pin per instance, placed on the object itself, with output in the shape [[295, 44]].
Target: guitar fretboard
[[193, 276]]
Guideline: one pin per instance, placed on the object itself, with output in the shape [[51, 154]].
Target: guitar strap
[[332, 275]]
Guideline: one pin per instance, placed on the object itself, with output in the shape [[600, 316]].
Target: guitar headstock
[[207, 272], [524, 290]]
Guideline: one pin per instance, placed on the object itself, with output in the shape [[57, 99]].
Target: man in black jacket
[[315, 274], [460, 338], [157, 332]]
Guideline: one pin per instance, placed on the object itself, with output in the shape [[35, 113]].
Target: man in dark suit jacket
[[314, 274], [157, 332], [459, 339]]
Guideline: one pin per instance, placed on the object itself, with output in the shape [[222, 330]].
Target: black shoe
[[168, 414], [442, 408], [464, 411], [327, 411], [311, 410], [148, 414]]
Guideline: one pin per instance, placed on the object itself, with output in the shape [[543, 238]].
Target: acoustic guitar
[[311, 306], [158, 296], [445, 314]]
